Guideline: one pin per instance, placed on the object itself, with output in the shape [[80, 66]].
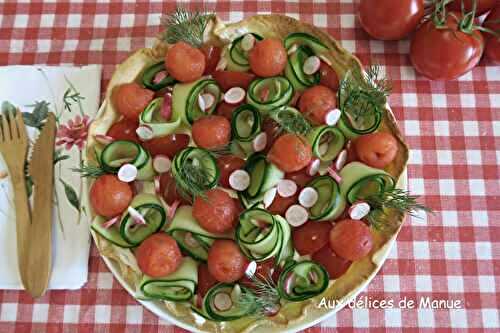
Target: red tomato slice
[[168, 145], [215, 212], [226, 263], [230, 79], [109, 196], [205, 280], [351, 239], [226, 110], [280, 204], [301, 178], [168, 189], [158, 255], [335, 266], [211, 132], [185, 62], [329, 77], [212, 57], [130, 99], [227, 164], [124, 129], [311, 236], [272, 130]]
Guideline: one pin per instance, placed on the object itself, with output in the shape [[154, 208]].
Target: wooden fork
[[14, 148]]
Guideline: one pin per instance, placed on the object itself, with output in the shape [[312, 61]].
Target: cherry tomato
[[281, 204], [158, 255], [492, 21], [328, 77], [265, 270], [205, 280], [268, 57], [376, 149], [335, 266], [445, 53], [185, 62], [230, 79], [390, 19], [311, 236], [301, 177], [169, 144], [351, 239], [226, 110], [226, 263], [227, 164], [493, 50], [212, 57], [215, 212], [168, 189], [211, 132], [315, 103], [130, 99], [109, 196], [290, 153], [482, 6], [124, 129]]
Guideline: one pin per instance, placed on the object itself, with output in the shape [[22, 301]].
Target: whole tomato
[[390, 19], [446, 50], [482, 6]]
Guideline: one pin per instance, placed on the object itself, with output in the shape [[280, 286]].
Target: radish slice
[[236, 293], [157, 184], [269, 197], [358, 210], [251, 268], [313, 167], [209, 100], [222, 64], [264, 94], [259, 223], [332, 117], [341, 159], [296, 215], [223, 302], [313, 276], [325, 59], [247, 42], [239, 180], [287, 188], [234, 95], [145, 132], [136, 216], [292, 49], [348, 144], [111, 222], [172, 209], [289, 282], [259, 143], [272, 310], [308, 197], [161, 163], [190, 240], [311, 65], [166, 110], [159, 77], [127, 173], [334, 175], [104, 139]]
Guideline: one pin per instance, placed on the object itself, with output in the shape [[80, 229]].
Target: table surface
[[452, 127]]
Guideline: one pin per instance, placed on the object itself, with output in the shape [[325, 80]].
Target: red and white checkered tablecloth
[[453, 128]]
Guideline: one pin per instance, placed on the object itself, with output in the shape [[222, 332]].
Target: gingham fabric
[[452, 127]]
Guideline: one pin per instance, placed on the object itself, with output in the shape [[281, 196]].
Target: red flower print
[[73, 133]]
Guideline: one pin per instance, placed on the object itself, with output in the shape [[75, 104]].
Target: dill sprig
[[183, 25], [89, 171], [395, 200], [363, 93], [263, 296], [290, 121], [192, 179]]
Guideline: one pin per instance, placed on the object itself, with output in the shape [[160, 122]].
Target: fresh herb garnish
[[263, 296], [289, 121], [91, 171], [185, 26], [394, 200], [193, 179]]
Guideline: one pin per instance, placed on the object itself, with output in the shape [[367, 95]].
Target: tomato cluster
[[445, 45]]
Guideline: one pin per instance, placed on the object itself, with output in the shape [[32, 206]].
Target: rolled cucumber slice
[[149, 75], [294, 69], [151, 209], [120, 152], [199, 241], [302, 280], [237, 54], [112, 234], [330, 203], [301, 38], [359, 181], [269, 93], [151, 116], [234, 310], [263, 175], [245, 123], [326, 142], [178, 286], [185, 99]]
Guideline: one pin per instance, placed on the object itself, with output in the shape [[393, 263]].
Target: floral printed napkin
[[72, 93]]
